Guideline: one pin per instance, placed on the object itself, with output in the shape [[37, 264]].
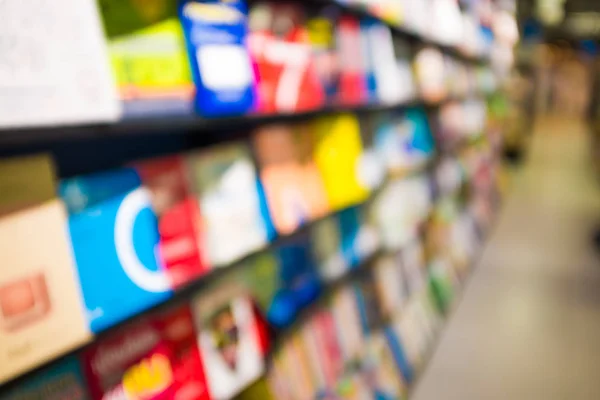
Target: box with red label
[[231, 337], [156, 358], [280, 47], [179, 219]]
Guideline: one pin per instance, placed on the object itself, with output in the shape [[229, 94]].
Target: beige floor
[[528, 326]]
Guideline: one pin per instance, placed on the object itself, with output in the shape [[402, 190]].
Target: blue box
[[115, 240], [215, 33]]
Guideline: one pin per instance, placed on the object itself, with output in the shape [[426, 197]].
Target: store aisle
[[528, 325]]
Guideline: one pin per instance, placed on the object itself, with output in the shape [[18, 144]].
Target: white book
[[54, 66]]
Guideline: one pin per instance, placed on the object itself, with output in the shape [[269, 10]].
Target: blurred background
[[324, 199]]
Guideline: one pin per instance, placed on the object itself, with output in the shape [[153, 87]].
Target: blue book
[[115, 237], [216, 33]]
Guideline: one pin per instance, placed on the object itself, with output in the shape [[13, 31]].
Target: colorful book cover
[[224, 181], [338, 154], [431, 75], [442, 283], [353, 81], [346, 313], [312, 182], [321, 29], [310, 340], [390, 286], [39, 286], [349, 226], [147, 50], [302, 371], [368, 302], [377, 55], [401, 360], [61, 381], [55, 72], [216, 35], [381, 371], [179, 221], [115, 240], [413, 265], [279, 42], [405, 142], [155, 358], [284, 280], [325, 242], [324, 325], [358, 234], [231, 339], [403, 56], [282, 178]]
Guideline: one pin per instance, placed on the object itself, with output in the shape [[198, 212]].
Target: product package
[[179, 220], [391, 288], [413, 265], [216, 34], [39, 286], [284, 280], [288, 81], [287, 197], [61, 381], [374, 48], [321, 29], [431, 74], [328, 342], [325, 242], [225, 182], [404, 141], [353, 81], [56, 71], [367, 299], [442, 281], [232, 338], [402, 362], [346, 313], [115, 239], [155, 358], [149, 60], [384, 377], [338, 154], [400, 209], [359, 239]]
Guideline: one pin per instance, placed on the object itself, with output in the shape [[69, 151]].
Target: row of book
[[366, 338], [116, 270], [215, 58], [137, 234]]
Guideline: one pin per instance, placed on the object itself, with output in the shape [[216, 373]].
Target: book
[[115, 240], [39, 287]]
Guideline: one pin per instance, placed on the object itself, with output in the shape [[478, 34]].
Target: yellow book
[[338, 154]]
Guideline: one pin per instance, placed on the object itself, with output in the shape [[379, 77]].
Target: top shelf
[[205, 132]]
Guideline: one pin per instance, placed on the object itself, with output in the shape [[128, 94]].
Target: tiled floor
[[528, 325]]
